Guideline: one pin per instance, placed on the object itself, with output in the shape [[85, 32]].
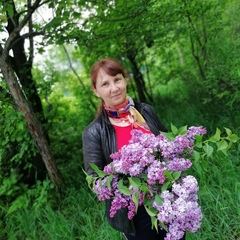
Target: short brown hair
[[110, 66]]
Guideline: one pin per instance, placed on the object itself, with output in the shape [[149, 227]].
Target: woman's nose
[[114, 87]]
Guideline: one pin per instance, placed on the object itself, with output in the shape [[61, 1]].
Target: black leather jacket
[[99, 141]]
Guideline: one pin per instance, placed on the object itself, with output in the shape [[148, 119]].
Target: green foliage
[[16, 143], [9, 187], [74, 215], [173, 41]]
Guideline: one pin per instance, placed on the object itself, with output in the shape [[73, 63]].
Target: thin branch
[[18, 28], [30, 25], [27, 35], [76, 74]]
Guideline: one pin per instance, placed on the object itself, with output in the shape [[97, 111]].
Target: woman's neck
[[121, 122]]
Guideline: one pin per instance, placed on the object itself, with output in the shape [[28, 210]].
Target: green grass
[[219, 197], [77, 214]]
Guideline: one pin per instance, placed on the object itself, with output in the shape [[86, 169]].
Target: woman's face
[[111, 89]]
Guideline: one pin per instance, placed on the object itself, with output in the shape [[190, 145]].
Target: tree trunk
[[138, 77], [17, 74], [34, 127]]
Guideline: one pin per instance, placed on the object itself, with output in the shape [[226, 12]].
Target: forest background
[[182, 57]]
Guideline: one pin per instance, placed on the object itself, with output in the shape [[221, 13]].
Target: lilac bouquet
[[150, 171]]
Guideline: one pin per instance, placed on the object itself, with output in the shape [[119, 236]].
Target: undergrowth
[[42, 213]]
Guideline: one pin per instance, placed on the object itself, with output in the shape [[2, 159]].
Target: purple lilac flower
[[103, 191], [174, 232], [180, 210], [179, 164], [164, 146], [192, 131], [148, 141], [122, 201], [109, 169], [132, 160], [187, 185], [129, 162], [151, 155], [156, 173], [131, 209], [117, 203], [136, 136], [181, 143], [147, 157]]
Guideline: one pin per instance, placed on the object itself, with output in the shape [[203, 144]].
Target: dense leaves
[[182, 56]]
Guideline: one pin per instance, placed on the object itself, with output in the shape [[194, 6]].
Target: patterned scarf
[[126, 110]]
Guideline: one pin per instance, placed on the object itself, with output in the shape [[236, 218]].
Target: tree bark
[[33, 125], [138, 77], [21, 67]]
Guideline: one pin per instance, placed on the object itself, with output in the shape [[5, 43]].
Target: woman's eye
[[104, 84]]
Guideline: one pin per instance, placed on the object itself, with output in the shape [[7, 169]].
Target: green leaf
[[174, 129], [224, 151], [97, 170], [123, 189], [165, 186], [233, 137], [20, 203], [144, 187], [20, 126], [155, 223], [208, 149], [109, 181], [198, 141], [135, 182], [10, 10], [89, 180], [196, 155], [148, 202], [19, 138], [163, 226], [204, 164], [216, 137], [167, 174], [158, 200], [182, 130], [170, 136], [222, 145], [135, 199], [228, 131], [144, 176], [176, 175], [152, 212], [120, 183]]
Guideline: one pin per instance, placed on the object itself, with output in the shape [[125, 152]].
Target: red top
[[123, 134]]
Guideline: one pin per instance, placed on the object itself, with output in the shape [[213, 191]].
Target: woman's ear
[[95, 92]]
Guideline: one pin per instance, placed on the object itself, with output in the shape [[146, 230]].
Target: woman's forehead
[[102, 75]]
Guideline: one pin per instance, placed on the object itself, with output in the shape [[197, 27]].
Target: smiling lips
[[116, 96]]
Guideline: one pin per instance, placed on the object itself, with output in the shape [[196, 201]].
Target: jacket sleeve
[[159, 123], [153, 120], [92, 150]]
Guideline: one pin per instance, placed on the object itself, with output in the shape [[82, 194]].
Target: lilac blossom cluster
[[148, 157], [120, 200], [180, 210]]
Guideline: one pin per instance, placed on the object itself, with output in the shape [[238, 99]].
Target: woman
[[118, 115]]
